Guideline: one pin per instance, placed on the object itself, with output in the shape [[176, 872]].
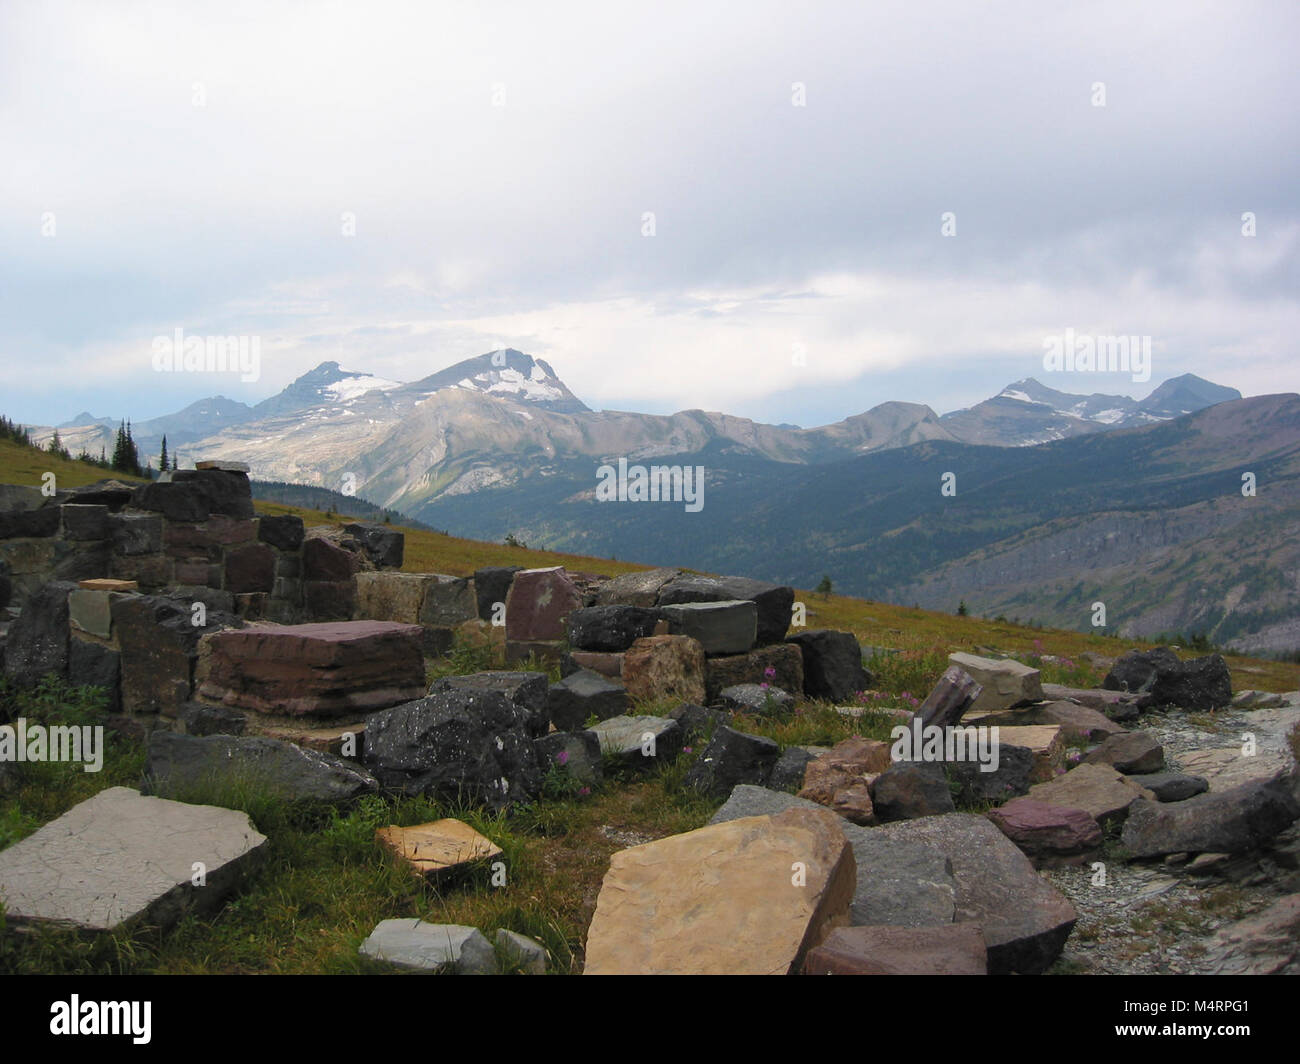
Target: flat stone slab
[[120, 858], [225, 467], [1098, 790], [417, 944], [101, 584], [638, 740], [1004, 681], [1229, 766], [957, 949], [719, 627], [437, 846]]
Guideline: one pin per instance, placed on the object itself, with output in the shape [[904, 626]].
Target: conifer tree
[[162, 459]]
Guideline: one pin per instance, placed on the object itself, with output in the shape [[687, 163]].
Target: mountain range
[[1059, 498]]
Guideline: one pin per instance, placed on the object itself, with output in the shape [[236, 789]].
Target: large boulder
[[1099, 790], [747, 915], [1004, 682], [832, 664], [527, 690], [1161, 679], [38, 641], [732, 757], [224, 491], [457, 744], [911, 789], [538, 603], [389, 596], [635, 589], [773, 603], [282, 531], [575, 753], [727, 627], [957, 949], [665, 666], [179, 766], [840, 780], [1131, 753], [1049, 834], [384, 545], [610, 628], [492, 586], [582, 695], [1230, 821], [328, 669], [1011, 778], [448, 601]]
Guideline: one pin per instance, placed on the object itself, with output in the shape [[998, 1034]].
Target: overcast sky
[[190, 166]]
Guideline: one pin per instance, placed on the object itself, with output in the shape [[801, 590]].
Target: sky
[[790, 212]]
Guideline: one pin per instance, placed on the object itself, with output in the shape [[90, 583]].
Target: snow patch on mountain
[[350, 388]]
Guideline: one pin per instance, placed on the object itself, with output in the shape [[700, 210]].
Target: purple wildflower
[[562, 758]]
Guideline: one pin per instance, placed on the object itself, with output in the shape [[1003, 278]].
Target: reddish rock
[[596, 661], [329, 600], [840, 780], [197, 574], [952, 949], [326, 561], [665, 666], [538, 602], [1049, 834], [250, 569], [327, 670]]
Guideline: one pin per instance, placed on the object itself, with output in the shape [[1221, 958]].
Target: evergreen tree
[[162, 459]]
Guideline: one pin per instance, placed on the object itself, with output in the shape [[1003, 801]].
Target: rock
[[638, 741], [957, 949], [1116, 705], [610, 665], [732, 757], [577, 753], [719, 627], [780, 665], [457, 744], [323, 560], [1097, 789], [577, 698], [1171, 786], [181, 766], [409, 943], [448, 601], [743, 916], [521, 954], [1025, 920], [90, 612], [838, 780], [1077, 721], [199, 718], [250, 569], [664, 666], [97, 665], [384, 544], [1005, 682], [85, 523], [1267, 943], [635, 589], [911, 789], [1257, 700], [120, 859], [610, 628], [329, 669], [438, 846], [538, 602], [1162, 679], [329, 600], [37, 644], [1045, 742], [492, 586], [283, 531], [1051, 834], [1133, 753], [949, 700], [389, 596], [225, 491], [25, 524], [772, 603], [832, 664], [1012, 777], [527, 690], [1226, 767], [1230, 821], [177, 501], [788, 772], [756, 698], [698, 721]]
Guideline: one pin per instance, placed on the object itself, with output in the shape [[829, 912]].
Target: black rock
[[96, 665], [832, 664], [1172, 786], [527, 690], [176, 500], [1230, 821], [37, 644], [459, 744], [491, 586], [1010, 779], [111, 493], [1163, 680], [284, 532], [383, 544], [20, 524], [911, 789], [199, 718], [732, 757], [774, 601], [226, 492], [578, 697], [787, 773], [610, 628], [696, 721], [135, 533], [577, 753], [85, 522]]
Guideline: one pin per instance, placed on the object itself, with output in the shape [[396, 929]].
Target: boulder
[[457, 744], [90, 612], [328, 669], [389, 596], [448, 601], [85, 523], [519, 953], [639, 742], [1116, 705], [1230, 821], [635, 589], [719, 627], [780, 665], [607, 664], [1171, 786], [419, 945], [538, 603], [664, 666], [182, 766], [839, 779], [120, 860], [772, 603], [1004, 683], [1132, 753], [746, 915], [250, 569], [383, 544], [911, 789], [759, 699], [582, 695], [1161, 679], [610, 628], [527, 690], [492, 586], [1077, 721], [1046, 742], [37, 644], [29, 524], [1097, 789], [199, 718], [577, 753], [732, 757], [957, 949], [832, 664], [436, 847], [1050, 834], [282, 531], [949, 699], [696, 721], [136, 534], [1011, 778], [325, 561], [226, 491]]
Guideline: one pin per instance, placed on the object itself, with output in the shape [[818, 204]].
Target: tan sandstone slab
[[437, 846], [1096, 789], [744, 897], [1005, 682], [103, 584]]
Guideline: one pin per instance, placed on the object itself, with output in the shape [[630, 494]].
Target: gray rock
[[85, 523], [1010, 779], [732, 757], [471, 744], [720, 627], [910, 789], [1230, 821], [385, 545], [639, 742], [787, 773], [1267, 943], [410, 943], [610, 628], [755, 698], [521, 953], [635, 589], [134, 534], [577, 753], [37, 644], [1172, 786], [582, 695], [1132, 753], [772, 602], [492, 585], [180, 765], [448, 601], [698, 721], [24, 524], [832, 664], [121, 859], [226, 492], [199, 718], [527, 690]]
